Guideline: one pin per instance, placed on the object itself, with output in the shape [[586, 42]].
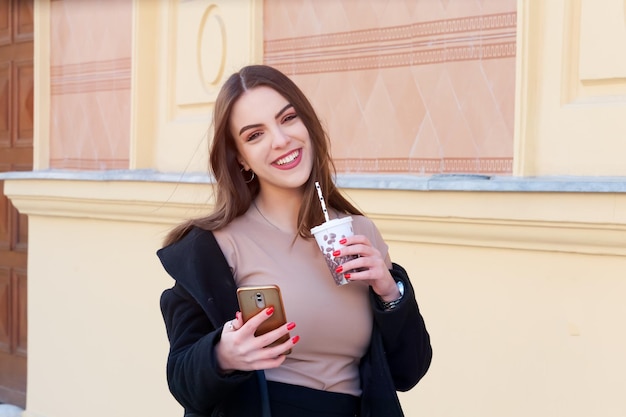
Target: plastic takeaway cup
[[328, 235]]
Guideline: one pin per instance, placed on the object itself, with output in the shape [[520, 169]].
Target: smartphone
[[253, 299]]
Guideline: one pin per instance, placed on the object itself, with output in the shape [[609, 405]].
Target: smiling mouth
[[288, 159]]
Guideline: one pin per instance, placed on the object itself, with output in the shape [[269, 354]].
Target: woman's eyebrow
[[249, 127], [281, 111]]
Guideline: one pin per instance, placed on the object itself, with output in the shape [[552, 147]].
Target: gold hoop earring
[[248, 181]]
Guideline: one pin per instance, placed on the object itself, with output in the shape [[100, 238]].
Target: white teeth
[[288, 158]]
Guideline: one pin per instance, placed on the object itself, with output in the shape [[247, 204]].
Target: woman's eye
[[253, 136], [289, 117]]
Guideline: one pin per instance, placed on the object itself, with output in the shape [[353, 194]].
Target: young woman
[[351, 346]]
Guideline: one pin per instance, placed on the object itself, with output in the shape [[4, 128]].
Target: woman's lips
[[289, 160]]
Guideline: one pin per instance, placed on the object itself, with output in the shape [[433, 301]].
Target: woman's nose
[[280, 139]]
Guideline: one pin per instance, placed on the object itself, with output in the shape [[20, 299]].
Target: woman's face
[[271, 139]]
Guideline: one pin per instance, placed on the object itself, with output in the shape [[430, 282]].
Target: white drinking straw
[[321, 197]]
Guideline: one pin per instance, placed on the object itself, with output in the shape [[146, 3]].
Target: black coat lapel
[[197, 263]]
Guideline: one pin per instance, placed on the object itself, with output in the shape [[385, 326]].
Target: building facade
[[483, 137]]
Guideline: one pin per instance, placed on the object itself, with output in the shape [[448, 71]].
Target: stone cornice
[[588, 223], [132, 201], [439, 182]]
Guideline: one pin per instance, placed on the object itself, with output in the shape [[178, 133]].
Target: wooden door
[[16, 154]]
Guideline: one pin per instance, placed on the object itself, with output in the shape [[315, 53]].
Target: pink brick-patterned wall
[[90, 53], [406, 86], [419, 86]]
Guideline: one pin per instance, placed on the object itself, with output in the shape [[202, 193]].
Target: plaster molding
[[519, 221], [583, 238], [108, 200]]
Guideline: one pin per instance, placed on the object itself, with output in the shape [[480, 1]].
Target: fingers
[[369, 267], [240, 349], [255, 321], [368, 257], [234, 324], [238, 321], [358, 245], [268, 337], [362, 269], [280, 334], [274, 356], [283, 348], [355, 240]]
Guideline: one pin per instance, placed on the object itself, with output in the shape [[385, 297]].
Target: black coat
[[204, 298]]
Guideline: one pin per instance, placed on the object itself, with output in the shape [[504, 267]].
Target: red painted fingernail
[[270, 311], [339, 269], [238, 315], [343, 241], [337, 253], [295, 339], [346, 275], [291, 326]]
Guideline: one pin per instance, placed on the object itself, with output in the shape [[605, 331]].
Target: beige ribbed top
[[334, 322]]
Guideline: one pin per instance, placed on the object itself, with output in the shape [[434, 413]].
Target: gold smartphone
[[253, 299]]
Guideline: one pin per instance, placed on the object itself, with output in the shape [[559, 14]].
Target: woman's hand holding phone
[[239, 348]]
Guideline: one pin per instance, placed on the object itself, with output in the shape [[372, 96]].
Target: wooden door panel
[[16, 154], [20, 338], [5, 217], [23, 75], [24, 23], [13, 336], [5, 23], [20, 231], [18, 222], [5, 104], [5, 311]]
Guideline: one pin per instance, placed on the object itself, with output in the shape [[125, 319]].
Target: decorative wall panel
[[207, 45], [200, 52], [90, 53], [404, 86], [204, 41], [593, 68], [572, 88]]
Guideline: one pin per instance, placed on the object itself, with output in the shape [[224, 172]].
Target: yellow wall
[[97, 344], [521, 290], [571, 87], [522, 299]]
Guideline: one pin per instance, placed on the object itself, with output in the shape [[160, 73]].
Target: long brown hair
[[234, 193]]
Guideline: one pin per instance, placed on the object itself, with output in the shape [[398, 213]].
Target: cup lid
[[331, 223]]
